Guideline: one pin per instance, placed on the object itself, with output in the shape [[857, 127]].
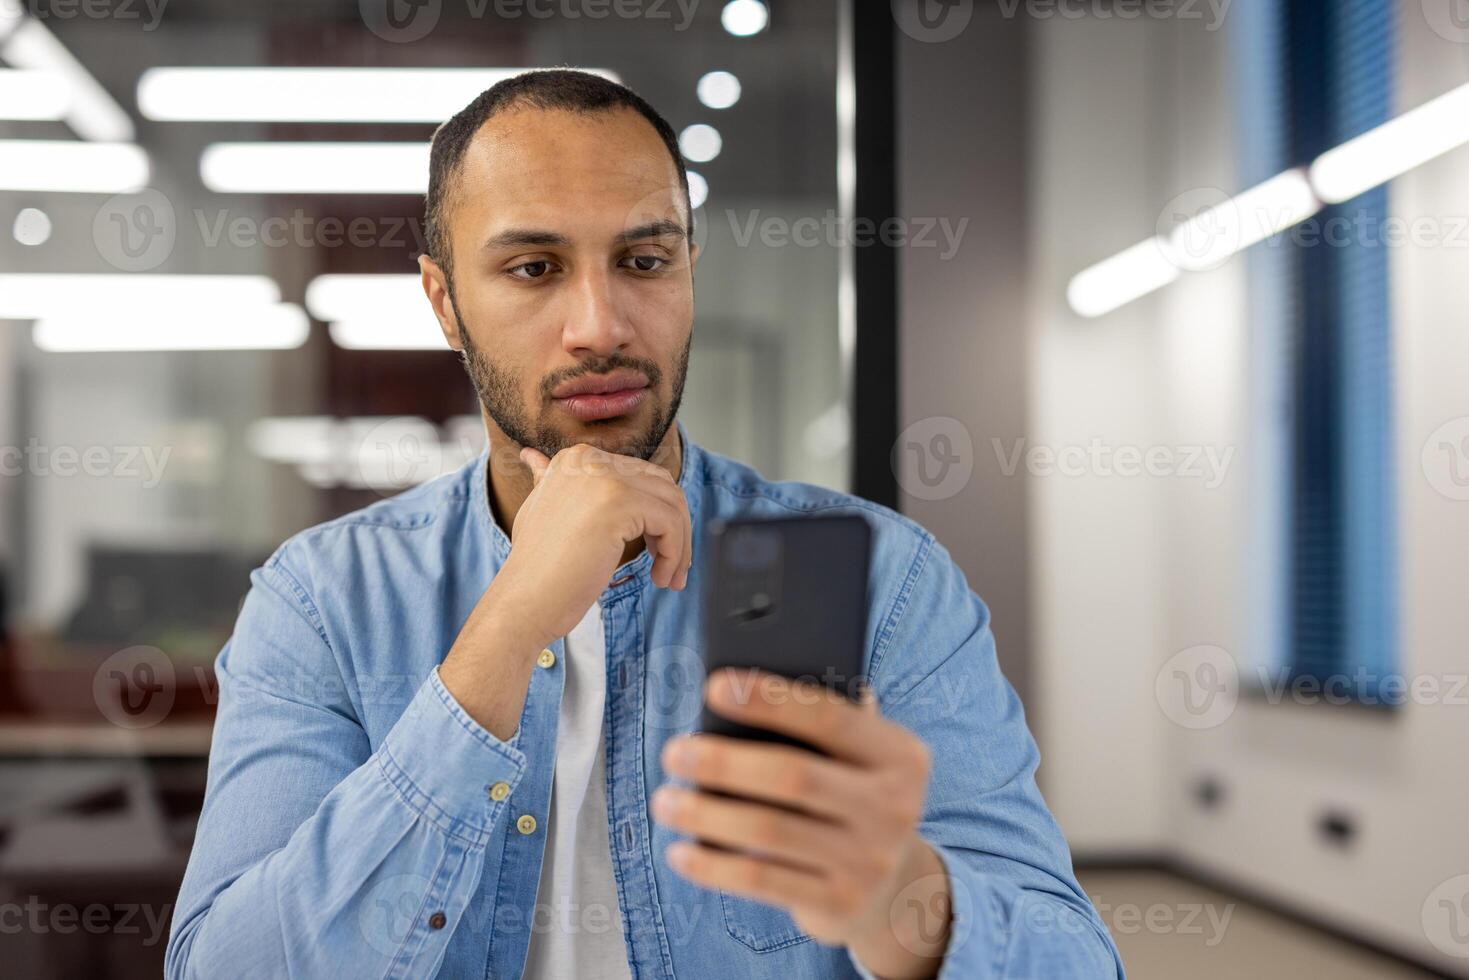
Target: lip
[[590, 399], [601, 384]]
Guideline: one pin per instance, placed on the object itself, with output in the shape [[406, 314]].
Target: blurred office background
[[1108, 294]]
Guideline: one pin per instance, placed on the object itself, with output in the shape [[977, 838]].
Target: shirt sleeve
[[1016, 909], [315, 855]]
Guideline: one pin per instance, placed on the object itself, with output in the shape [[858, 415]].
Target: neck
[[510, 479]]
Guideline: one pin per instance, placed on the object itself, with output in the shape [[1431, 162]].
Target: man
[[453, 736]]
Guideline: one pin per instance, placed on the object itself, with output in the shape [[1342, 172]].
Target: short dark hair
[[555, 88]]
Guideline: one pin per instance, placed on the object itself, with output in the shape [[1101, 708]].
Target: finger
[[779, 774], [683, 535], [764, 881], [799, 840], [537, 462], [663, 532], [813, 713]]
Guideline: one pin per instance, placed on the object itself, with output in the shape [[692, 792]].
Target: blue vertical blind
[[1312, 76]]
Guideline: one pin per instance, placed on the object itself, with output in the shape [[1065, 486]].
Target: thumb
[[537, 461]]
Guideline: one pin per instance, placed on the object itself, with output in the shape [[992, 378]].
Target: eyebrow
[[525, 237], [540, 238], [662, 228]]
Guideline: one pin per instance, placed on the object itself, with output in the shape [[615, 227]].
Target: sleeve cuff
[[445, 765], [962, 956]]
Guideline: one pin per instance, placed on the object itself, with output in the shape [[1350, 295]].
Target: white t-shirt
[[577, 928]]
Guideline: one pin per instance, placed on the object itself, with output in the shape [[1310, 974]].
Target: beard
[[500, 393]]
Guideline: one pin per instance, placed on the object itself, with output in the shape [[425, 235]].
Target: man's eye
[[530, 270], [647, 263]]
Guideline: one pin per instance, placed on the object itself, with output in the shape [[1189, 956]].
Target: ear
[[436, 288], [694, 254]]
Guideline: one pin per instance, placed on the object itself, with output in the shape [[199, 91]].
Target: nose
[[596, 322]]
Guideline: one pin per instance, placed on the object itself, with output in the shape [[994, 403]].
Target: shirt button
[[437, 920], [526, 824], [499, 791], [547, 659]]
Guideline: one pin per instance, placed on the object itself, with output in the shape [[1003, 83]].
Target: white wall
[[1096, 565], [1128, 573]]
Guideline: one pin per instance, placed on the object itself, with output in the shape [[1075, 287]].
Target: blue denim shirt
[[358, 823]]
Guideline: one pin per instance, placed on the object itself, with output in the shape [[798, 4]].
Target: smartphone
[[789, 596]]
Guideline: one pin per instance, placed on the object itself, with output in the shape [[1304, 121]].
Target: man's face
[[571, 269]]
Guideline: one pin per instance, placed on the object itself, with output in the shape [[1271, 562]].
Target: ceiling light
[[315, 168], [1118, 280], [719, 90], [275, 94], [700, 143], [743, 18], [1395, 147], [32, 226], [64, 165], [281, 326], [698, 189], [30, 296]]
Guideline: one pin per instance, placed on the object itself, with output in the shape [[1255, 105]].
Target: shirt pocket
[[763, 928]]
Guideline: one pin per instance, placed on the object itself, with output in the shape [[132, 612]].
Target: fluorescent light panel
[[280, 326], [274, 94], [91, 111], [1211, 237], [315, 168], [375, 312], [1393, 148], [61, 165], [32, 94], [1118, 280], [33, 295]]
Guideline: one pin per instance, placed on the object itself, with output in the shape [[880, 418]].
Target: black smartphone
[[789, 596]]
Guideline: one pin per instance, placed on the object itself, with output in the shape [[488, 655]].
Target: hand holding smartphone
[[789, 596]]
